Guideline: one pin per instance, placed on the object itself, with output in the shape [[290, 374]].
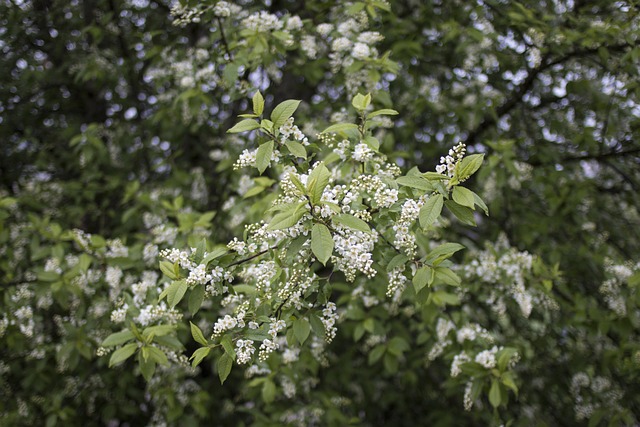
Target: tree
[[291, 198]]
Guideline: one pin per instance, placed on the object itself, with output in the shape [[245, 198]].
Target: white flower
[[244, 351], [309, 46], [448, 164], [487, 358], [290, 355], [329, 318], [348, 27], [150, 254], [262, 21], [187, 82], [458, 361], [370, 37], [386, 197], [115, 249], [294, 23], [324, 29], [118, 315], [361, 51], [362, 153], [341, 44], [224, 324], [246, 159], [443, 327], [222, 9]]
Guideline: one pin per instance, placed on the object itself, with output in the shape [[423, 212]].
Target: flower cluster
[[613, 288], [591, 394], [354, 252], [448, 164], [506, 269], [487, 358], [291, 132], [262, 21], [405, 239], [244, 351], [329, 318], [270, 345]]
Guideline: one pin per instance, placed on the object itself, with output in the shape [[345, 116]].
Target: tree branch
[[490, 119]]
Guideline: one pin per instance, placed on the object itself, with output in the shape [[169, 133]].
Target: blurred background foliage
[[113, 121]]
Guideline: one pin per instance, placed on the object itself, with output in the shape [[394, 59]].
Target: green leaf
[[215, 253], [434, 176], [372, 142], [266, 125], [253, 192], [476, 389], [390, 363], [123, 353], [258, 103], [158, 330], [48, 276], [288, 218], [7, 202], [478, 201], [296, 181], [340, 127], [199, 355], [157, 355], [301, 329], [321, 243], [316, 325], [227, 344], [317, 181], [397, 346], [376, 353], [244, 126], [283, 111], [118, 338], [447, 276], [197, 334], [168, 269], [263, 156], [293, 248], [397, 261], [268, 391], [147, 368], [494, 393], [296, 149], [463, 197], [175, 292], [169, 341], [634, 280], [230, 73], [256, 335], [507, 380], [504, 356], [264, 181], [360, 102], [195, 299], [463, 213], [352, 222], [442, 298], [415, 182], [469, 165], [382, 112], [431, 210], [421, 278], [224, 367], [443, 252]]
